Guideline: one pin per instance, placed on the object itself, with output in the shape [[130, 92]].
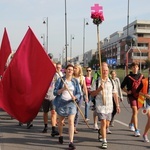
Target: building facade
[[115, 47]]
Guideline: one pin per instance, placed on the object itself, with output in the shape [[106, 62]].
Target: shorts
[[133, 101], [47, 106], [102, 116], [66, 108]]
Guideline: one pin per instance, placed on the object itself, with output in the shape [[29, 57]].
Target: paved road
[[14, 137]]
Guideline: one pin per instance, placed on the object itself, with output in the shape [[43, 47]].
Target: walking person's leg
[[60, 128], [45, 106], [53, 122], [71, 127], [76, 120], [147, 128], [103, 133]]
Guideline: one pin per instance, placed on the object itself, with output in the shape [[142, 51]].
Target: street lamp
[[43, 37], [71, 38], [128, 18], [85, 22], [66, 30], [130, 41], [127, 39], [45, 21]]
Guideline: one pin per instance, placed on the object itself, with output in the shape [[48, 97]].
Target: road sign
[[111, 61]]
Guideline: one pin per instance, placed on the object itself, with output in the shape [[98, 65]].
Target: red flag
[[26, 79], [4, 52]]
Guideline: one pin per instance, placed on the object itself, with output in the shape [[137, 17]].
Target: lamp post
[[71, 38], [45, 21], [130, 41], [128, 18], [140, 57], [43, 37], [66, 30], [126, 66], [85, 22]]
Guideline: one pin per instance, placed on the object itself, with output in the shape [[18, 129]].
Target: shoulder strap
[[131, 78], [111, 82], [141, 77], [91, 79], [96, 84]]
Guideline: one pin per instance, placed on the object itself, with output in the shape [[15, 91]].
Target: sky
[[17, 15]]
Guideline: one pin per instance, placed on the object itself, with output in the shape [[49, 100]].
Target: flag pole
[[100, 62], [98, 18], [74, 100]]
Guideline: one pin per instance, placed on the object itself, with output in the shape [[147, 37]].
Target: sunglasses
[[88, 70]]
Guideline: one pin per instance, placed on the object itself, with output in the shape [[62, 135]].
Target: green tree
[[95, 62], [147, 63]]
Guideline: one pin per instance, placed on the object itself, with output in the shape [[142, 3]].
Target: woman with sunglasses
[[88, 81]]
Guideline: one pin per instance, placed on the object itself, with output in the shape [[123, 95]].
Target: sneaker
[[104, 145], [45, 130], [99, 136], [71, 146], [145, 138], [111, 124], [108, 131], [96, 127], [131, 127], [87, 119], [75, 131], [54, 133], [61, 139], [137, 133], [29, 125]]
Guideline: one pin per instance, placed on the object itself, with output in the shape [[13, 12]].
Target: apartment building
[[115, 48]]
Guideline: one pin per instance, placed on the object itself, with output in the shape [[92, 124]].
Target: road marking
[[122, 123]]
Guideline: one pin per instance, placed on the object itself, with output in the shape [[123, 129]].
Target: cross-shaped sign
[[96, 8]]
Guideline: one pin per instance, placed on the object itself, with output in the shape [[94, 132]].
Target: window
[[142, 54], [142, 44], [140, 35]]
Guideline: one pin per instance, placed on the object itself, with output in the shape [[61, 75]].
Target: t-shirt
[[65, 94], [88, 81]]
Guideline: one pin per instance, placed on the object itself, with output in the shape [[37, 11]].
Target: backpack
[[135, 85]]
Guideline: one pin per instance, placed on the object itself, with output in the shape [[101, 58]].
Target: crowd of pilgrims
[[100, 91]]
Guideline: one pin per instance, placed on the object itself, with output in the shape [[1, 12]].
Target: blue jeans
[[87, 105], [76, 120]]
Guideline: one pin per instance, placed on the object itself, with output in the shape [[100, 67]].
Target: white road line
[[122, 123]]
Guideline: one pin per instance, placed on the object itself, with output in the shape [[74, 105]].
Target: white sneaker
[[131, 127], [96, 127], [108, 131], [145, 138], [137, 133], [87, 119]]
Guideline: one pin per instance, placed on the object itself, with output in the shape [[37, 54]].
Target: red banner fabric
[[4, 51], [26, 80]]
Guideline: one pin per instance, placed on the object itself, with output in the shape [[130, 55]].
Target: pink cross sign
[[96, 8]]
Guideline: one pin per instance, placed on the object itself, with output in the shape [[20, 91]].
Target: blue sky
[[17, 15]]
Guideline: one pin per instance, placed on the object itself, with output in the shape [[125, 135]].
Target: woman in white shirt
[[64, 102]]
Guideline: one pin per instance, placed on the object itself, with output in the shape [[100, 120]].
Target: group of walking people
[[68, 91]]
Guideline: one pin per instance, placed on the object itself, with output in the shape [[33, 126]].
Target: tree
[[94, 63], [147, 63]]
